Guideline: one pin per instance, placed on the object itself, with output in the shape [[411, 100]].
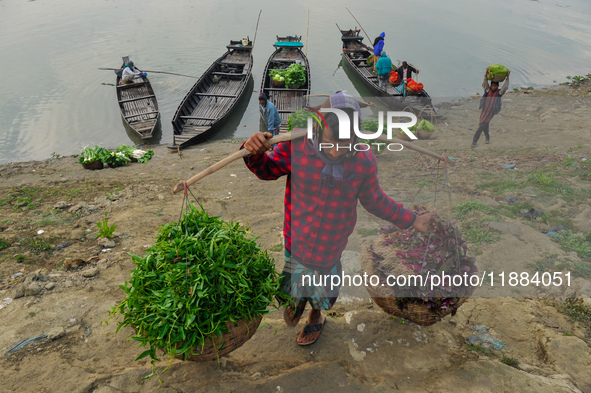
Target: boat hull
[[213, 97], [354, 57], [287, 101], [138, 105]]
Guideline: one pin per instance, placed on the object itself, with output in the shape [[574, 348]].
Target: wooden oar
[[155, 72], [307, 32], [368, 38], [295, 134], [256, 31]]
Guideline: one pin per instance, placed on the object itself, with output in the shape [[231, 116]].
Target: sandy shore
[[71, 280]]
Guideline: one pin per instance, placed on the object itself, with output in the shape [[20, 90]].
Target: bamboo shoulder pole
[[411, 146], [239, 154], [295, 134]]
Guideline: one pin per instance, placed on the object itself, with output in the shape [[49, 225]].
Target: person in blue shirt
[[269, 114], [378, 47], [383, 68]]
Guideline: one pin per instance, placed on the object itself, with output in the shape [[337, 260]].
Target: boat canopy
[[289, 44]]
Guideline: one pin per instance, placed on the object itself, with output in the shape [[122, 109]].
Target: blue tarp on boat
[[289, 44]]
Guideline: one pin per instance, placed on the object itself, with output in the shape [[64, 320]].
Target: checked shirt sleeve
[[375, 201], [273, 165]]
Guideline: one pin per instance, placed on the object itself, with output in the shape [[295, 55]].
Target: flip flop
[[292, 318], [309, 330]]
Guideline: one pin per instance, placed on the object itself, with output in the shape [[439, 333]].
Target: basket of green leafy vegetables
[[92, 157], [200, 291], [134, 154], [291, 78], [295, 76], [115, 159], [425, 129], [299, 119], [277, 78]]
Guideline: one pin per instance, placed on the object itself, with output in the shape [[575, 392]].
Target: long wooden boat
[[355, 54], [138, 105], [211, 100], [287, 51]]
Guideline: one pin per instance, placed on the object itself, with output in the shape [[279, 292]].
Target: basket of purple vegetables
[[422, 277]]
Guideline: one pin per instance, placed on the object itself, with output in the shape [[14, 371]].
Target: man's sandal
[[307, 330]]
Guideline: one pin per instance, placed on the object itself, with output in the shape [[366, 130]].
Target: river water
[[53, 99]]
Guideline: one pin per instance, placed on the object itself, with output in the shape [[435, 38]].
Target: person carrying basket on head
[[490, 103]]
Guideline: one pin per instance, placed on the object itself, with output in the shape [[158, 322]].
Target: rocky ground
[[58, 281]]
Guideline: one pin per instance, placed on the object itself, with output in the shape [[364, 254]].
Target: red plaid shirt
[[319, 216]]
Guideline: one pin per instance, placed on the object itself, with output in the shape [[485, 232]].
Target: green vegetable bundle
[[119, 157], [425, 125], [370, 125], [299, 119], [116, 158], [131, 152], [295, 76], [91, 154], [200, 274], [146, 157], [278, 75], [497, 72], [126, 149]]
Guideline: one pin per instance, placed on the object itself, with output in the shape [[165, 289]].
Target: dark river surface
[[53, 99]]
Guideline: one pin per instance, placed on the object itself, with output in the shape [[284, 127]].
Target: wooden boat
[[287, 51], [355, 54], [211, 100], [138, 105]]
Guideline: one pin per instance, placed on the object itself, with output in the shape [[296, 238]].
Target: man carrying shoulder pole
[[323, 187]]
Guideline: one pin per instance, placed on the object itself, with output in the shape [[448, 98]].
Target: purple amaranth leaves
[[435, 253]]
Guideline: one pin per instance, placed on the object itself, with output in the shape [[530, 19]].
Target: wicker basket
[[418, 314], [410, 92], [402, 136], [234, 339], [221, 346], [424, 134], [277, 83], [96, 164], [383, 296], [497, 78], [116, 165]]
